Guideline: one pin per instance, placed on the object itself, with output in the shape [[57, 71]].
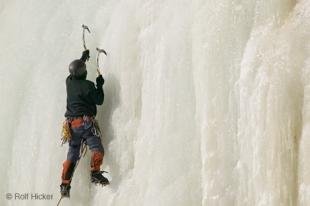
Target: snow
[[206, 101]]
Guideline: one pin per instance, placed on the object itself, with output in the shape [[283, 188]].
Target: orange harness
[[75, 123], [79, 121]]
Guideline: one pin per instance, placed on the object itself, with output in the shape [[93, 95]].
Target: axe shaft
[[98, 54], [85, 28]]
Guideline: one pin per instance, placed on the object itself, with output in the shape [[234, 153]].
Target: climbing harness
[[69, 123]]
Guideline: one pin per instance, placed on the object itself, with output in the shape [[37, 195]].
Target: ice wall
[[206, 101]]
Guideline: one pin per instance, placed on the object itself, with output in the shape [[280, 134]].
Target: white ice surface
[[207, 102]]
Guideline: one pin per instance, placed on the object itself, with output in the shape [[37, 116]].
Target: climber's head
[[77, 69]]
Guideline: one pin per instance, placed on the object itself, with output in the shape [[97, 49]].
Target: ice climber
[[80, 125]]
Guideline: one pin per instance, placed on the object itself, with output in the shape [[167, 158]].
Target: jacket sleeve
[[85, 56], [96, 95]]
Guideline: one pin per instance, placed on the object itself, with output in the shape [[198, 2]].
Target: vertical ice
[[206, 101]]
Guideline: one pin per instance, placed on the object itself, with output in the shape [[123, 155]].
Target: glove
[[85, 55], [99, 81]]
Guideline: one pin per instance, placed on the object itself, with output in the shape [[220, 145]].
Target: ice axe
[[85, 28], [99, 51]]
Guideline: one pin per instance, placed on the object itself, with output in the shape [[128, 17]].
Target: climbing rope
[[66, 132]]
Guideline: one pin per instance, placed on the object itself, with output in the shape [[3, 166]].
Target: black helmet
[[77, 68]]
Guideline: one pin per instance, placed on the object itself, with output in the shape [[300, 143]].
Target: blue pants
[[86, 132]]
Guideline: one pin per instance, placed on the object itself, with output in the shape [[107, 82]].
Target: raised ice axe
[[99, 51], [85, 28]]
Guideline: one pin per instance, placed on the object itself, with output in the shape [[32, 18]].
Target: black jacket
[[82, 97]]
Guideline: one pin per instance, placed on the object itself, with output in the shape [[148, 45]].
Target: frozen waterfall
[[207, 103]]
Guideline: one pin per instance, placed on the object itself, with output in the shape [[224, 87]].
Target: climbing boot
[[97, 177], [65, 190]]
